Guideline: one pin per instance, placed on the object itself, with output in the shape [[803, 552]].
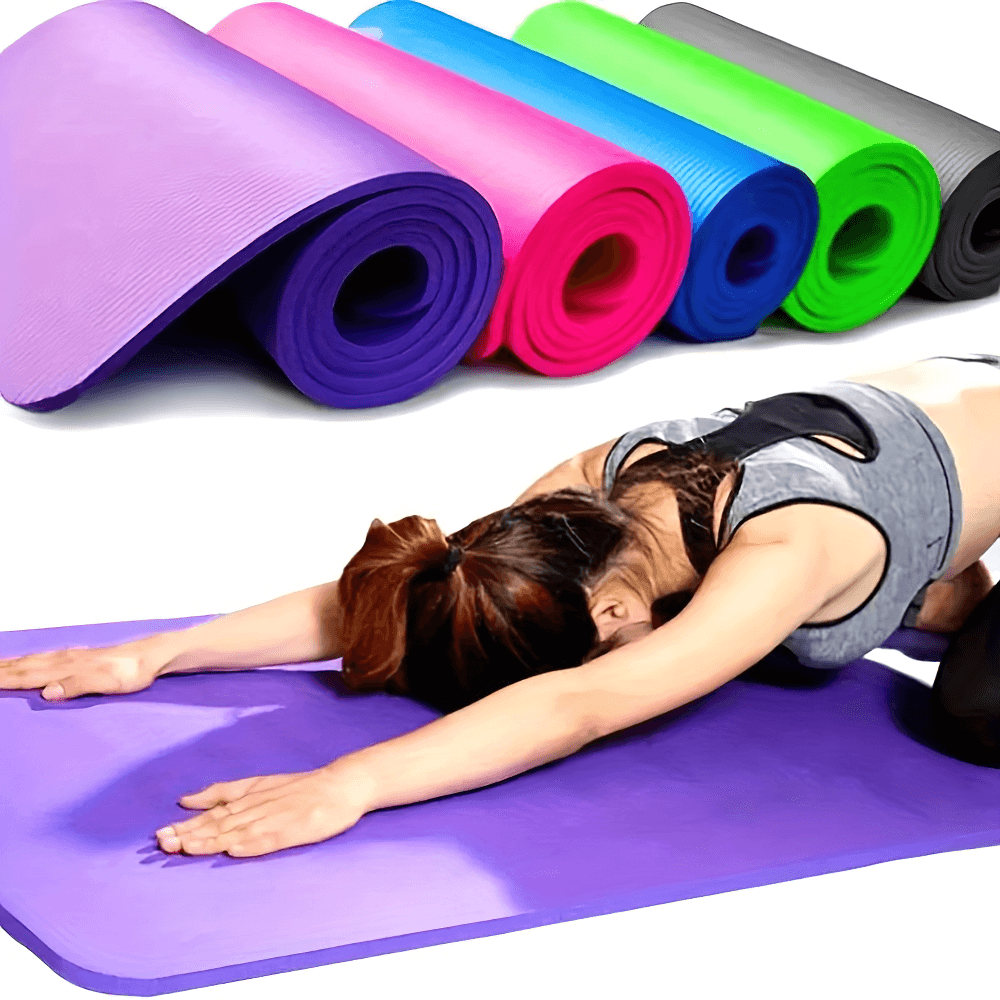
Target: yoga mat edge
[[128, 986]]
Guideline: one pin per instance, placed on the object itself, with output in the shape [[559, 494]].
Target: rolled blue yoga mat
[[754, 218]]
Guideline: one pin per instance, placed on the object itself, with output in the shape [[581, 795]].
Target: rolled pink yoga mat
[[595, 239]]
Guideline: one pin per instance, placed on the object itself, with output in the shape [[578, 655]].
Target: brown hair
[[448, 620], [694, 474]]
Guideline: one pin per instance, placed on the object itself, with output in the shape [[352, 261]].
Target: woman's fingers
[[101, 681], [206, 826], [69, 673], [217, 814], [281, 811], [269, 830], [246, 842], [230, 801], [253, 845], [75, 685], [206, 844], [56, 691], [31, 671], [229, 791], [221, 791], [215, 823]]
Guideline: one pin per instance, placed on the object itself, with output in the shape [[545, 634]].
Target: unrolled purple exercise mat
[[142, 163], [781, 774]]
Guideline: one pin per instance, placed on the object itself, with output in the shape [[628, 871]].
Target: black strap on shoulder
[[790, 415], [759, 424]]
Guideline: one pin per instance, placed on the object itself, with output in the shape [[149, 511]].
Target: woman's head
[[448, 620], [543, 585]]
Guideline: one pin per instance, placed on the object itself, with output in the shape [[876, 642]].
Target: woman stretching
[[630, 580]]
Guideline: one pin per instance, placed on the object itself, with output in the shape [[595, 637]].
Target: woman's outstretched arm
[[762, 587], [295, 628]]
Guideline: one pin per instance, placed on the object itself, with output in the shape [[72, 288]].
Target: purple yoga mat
[[143, 163], [781, 774]]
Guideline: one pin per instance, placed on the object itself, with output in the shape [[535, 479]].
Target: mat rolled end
[[144, 163], [746, 257], [965, 261], [880, 209], [597, 272]]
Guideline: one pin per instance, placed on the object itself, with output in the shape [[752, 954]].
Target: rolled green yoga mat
[[965, 262], [880, 200]]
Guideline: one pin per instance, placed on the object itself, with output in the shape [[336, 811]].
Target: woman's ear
[[609, 613]]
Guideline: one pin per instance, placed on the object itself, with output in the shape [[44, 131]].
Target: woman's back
[[962, 398], [879, 466]]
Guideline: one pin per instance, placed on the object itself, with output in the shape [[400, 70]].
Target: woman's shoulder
[[643, 440]]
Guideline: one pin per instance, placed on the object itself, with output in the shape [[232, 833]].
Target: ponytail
[[374, 594], [450, 620]]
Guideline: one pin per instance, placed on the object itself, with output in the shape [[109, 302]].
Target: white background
[[196, 483]]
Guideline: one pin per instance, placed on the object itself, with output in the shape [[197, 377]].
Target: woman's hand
[[257, 816], [70, 673]]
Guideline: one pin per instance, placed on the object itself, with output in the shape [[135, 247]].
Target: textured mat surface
[[595, 238], [965, 262], [782, 774], [142, 163], [880, 202], [754, 219]]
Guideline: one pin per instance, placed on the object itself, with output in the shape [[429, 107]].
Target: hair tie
[[455, 556]]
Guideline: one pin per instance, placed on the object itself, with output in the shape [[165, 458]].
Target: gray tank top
[[907, 487]]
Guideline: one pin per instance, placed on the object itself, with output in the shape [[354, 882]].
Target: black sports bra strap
[[791, 415]]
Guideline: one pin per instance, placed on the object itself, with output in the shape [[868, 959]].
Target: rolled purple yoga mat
[[143, 163], [783, 773]]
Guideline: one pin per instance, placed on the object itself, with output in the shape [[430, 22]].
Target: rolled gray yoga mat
[[965, 261]]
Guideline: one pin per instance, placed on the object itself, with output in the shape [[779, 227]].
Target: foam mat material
[[754, 219], [143, 163], [595, 238], [781, 774], [879, 198], [965, 261]]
